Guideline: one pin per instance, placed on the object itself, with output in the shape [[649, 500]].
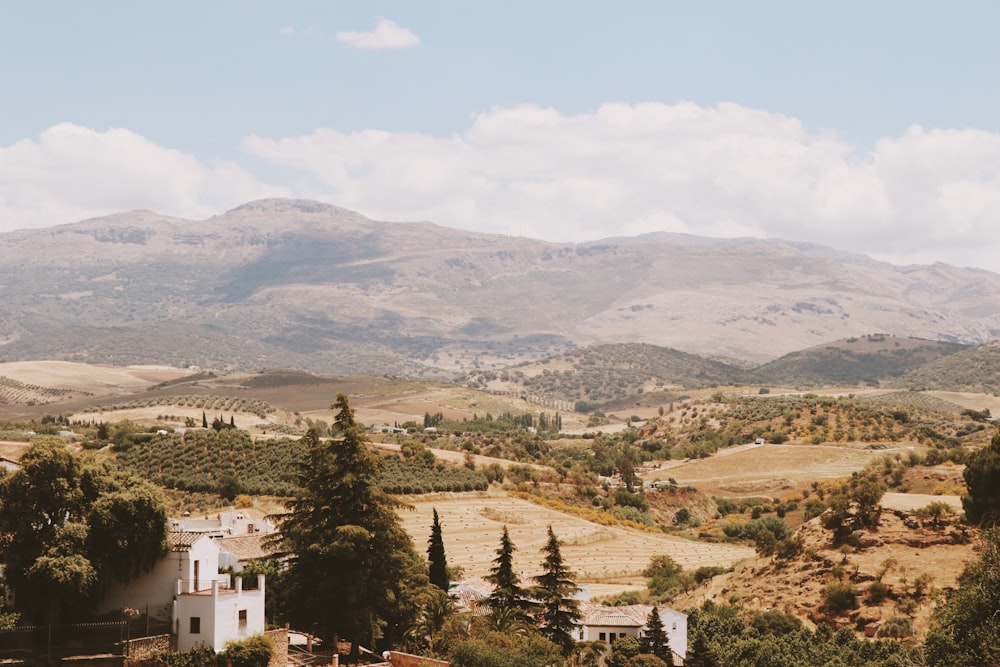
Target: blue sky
[[872, 127]]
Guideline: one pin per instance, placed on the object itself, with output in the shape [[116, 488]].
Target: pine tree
[[655, 640], [700, 654], [508, 603], [438, 563], [559, 610], [354, 572], [204, 419]]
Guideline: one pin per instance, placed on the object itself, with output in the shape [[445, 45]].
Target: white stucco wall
[[219, 614], [592, 633], [675, 624], [156, 587]]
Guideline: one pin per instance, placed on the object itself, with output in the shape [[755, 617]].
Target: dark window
[[195, 625], [243, 619], [601, 636]]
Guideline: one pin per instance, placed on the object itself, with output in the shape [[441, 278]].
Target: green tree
[[701, 654], [229, 486], [525, 648], [253, 651], [965, 631], [662, 575], [982, 478], [437, 562], [354, 572], [70, 527], [645, 660], [508, 603], [558, 611], [655, 639], [623, 649]]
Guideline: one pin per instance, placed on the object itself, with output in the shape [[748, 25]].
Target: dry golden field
[[608, 559]]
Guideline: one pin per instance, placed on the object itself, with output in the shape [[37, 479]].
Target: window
[[195, 625], [601, 636], [243, 620]]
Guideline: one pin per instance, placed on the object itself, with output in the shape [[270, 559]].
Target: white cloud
[[624, 169], [387, 35], [286, 30], [72, 172]]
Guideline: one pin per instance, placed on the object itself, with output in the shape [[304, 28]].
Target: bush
[[877, 592], [839, 597], [706, 572], [253, 651]]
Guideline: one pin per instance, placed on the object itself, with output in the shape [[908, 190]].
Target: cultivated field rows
[[607, 558]]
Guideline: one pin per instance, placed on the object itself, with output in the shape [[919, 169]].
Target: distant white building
[[598, 622], [604, 623], [185, 587], [225, 524]]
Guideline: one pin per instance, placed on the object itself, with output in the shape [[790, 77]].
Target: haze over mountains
[[309, 285]]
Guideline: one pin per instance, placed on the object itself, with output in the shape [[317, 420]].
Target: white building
[[185, 587], [226, 524], [603, 623]]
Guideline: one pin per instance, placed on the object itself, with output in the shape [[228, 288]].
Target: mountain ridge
[[306, 284]]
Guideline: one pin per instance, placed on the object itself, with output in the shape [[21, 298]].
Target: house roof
[[246, 547], [180, 541], [615, 620]]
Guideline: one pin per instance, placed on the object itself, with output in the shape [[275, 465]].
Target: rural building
[[598, 622], [185, 589], [238, 552], [603, 623], [225, 524]]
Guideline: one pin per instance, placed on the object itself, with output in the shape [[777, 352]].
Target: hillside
[[976, 370], [607, 375], [873, 360], [306, 285], [621, 375]]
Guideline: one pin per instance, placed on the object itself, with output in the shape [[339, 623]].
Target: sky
[[872, 127]]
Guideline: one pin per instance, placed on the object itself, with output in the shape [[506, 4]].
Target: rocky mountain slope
[[309, 285]]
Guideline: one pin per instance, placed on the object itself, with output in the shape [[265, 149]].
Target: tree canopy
[[354, 572], [982, 477], [70, 527], [437, 562], [655, 640], [558, 611], [965, 631], [508, 603]]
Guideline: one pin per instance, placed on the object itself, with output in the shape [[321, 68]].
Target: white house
[[226, 524], [185, 587], [603, 623]]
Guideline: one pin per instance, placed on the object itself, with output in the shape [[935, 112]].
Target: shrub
[[839, 597], [253, 651], [877, 592]]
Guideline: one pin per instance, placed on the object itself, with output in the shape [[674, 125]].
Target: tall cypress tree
[[655, 640], [438, 564], [559, 610], [508, 603]]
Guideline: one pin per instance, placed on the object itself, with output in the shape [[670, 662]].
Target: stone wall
[[146, 647], [407, 660], [280, 640]]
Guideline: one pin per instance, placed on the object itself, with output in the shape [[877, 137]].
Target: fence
[[38, 643]]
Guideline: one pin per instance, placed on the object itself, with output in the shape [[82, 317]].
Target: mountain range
[[303, 284]]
